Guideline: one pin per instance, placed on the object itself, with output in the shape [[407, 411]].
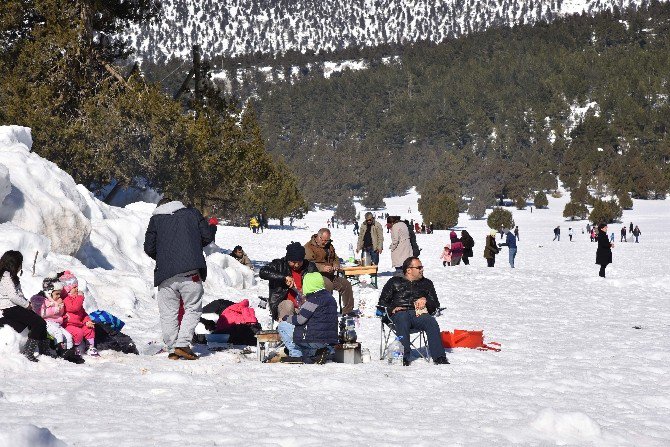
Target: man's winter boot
[[186, 353], [71, 356], [293, 360], [29, 349], [44, 348], [321, 356], [441, 361]]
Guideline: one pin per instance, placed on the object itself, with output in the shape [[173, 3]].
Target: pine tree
[[500, 217], [540, 200]]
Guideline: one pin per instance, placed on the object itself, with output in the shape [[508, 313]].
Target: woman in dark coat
[[468, 243], [604, 252], [491, 249]]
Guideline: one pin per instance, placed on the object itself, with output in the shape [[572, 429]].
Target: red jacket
[[74, 311], [239, 313]]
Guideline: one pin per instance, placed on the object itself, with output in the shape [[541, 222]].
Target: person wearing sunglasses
[[371, 238], [411, 302], [320, 251]]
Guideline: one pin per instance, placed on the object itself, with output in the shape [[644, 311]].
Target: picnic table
[[353, 273]]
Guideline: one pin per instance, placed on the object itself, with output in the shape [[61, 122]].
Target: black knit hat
[[295, 252]]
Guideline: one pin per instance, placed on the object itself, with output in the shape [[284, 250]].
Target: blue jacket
[[175, 238], [510, 242], [316, 320]]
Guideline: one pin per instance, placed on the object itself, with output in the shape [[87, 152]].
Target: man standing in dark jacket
[[411, 300], [175, 238], [285, 276]]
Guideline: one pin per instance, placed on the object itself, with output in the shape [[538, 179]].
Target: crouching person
[[410, 301], [308, 334]]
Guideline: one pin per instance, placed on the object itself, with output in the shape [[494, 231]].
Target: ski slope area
[[572, 370]]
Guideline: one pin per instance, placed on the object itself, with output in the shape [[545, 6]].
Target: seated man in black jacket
[[285, 276], [411, 300]]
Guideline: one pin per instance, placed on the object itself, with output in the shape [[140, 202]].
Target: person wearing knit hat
[[456, 248], [308, 334], [604, 251], [285, 276], [491, 249], [52, 309], [77, 322]]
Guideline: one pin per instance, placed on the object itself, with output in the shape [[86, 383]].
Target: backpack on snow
[[416, 251]]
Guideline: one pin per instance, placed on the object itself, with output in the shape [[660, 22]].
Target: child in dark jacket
[[310, 332]]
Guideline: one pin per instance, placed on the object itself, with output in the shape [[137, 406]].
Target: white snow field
[[573, 370]]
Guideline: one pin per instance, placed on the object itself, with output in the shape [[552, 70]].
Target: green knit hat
[[312, 282]]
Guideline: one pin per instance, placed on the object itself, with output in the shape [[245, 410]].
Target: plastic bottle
[[352, 254], [395, 352]]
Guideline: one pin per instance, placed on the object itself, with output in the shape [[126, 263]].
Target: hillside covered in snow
[[584, 360], [237, 27]]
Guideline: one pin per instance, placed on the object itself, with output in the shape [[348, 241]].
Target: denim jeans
[[407, 321], [374, 256], [296, 349], [512, 255]]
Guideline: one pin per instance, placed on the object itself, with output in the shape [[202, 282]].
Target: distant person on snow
[[491, 249], [356, 227], [445, 257], [612, 236], [636, 233], [456, 249], [309, 333], [175, 238], [510, 243], [241, 257], [516, 233], [401, 246], [604, 251], [371, 238], [623, 235], [630, 228], [320, 251], [557, 234], [285, 276], [570, 233], [468, 244], [410, 301], [15, 309]]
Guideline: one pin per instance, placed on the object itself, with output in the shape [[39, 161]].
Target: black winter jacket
[[401, 292], [276, 272], [175, 238], [468, 243], [604, 252]]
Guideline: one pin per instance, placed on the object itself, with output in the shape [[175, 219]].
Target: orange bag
[[466, 339]]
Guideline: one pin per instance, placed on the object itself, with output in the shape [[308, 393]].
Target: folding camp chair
[[388, 329]]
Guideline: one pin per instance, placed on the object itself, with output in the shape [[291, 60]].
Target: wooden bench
[[354, 273]]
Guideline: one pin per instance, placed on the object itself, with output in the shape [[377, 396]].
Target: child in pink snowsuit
[[77, 322], [446, 256]]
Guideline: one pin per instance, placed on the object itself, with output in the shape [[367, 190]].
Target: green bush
[[574, 211], [477, 209], [625, 201], [442, 210], [540, 200], [520, 203], [500, 217], [607, 212]]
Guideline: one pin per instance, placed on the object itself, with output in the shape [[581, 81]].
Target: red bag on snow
[[467, 339]]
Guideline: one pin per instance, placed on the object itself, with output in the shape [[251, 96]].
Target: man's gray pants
[[180, 287]]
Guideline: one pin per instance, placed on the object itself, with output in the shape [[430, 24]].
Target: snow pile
[[566, 428], [29, 435], [43, 199]]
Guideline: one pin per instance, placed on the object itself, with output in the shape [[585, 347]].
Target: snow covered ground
[[572, 370]]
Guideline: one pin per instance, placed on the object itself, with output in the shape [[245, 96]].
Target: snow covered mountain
[[237, 27]]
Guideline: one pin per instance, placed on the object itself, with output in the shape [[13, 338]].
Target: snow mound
[[5, 183], [30, 436], [225, 271], [17, 137], [42, 198], [566, 428], [11, 341]]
